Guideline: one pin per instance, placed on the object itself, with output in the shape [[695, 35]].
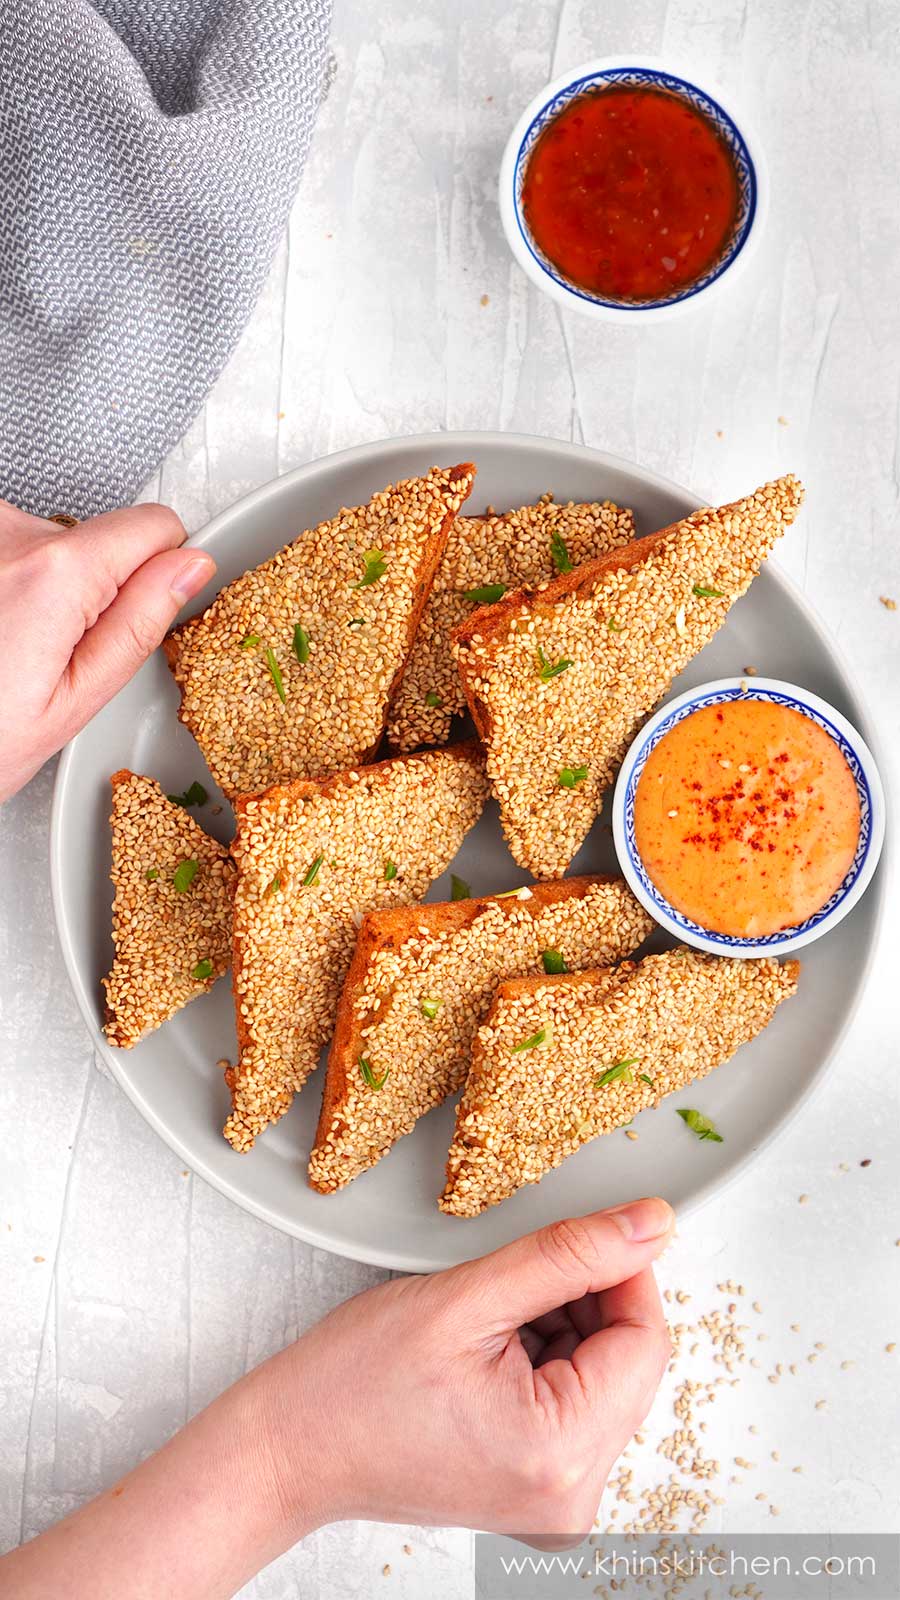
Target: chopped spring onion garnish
[[699, 1124], [301, 644], [390, 871], [313, 872], [487, 595], [644, 1078], [543, 1036], [202, 970], [430, 1007], [514, 894], [703, 592], [152, 874], [375, 568], [622, 1069], [369, 1077], [570, 776], [433, 700], [185, 873], [554, 962], [550, 669], [275, 886], [614, 625], [275, 675], [356, 622], [459, 889], [196, 795], [560, 554], [250, 643]]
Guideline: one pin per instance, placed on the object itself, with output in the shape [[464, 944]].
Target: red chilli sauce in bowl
[[627, 191]]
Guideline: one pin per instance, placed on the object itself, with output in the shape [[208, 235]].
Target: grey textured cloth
[[149, 153]]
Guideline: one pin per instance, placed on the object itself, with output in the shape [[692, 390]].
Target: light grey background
[[154, 1292]]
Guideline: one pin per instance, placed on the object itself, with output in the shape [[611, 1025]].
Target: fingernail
[[190, 578], [641, 1220]]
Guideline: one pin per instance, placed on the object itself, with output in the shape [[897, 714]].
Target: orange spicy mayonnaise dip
[[747, 817], [631, 193]]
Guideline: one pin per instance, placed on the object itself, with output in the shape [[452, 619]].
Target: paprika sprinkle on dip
[[747, 817], [631, 193]]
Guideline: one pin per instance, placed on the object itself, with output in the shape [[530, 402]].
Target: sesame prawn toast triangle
[[174, 887], [313, 858], [421, 981], [617, 630], [290, 671], [528, 545], [561, 1061]]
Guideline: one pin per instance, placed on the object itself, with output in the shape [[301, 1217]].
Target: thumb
[[130, 629], [562, 1262]]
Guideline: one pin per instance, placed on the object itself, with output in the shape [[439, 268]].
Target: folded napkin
[[149, 154]]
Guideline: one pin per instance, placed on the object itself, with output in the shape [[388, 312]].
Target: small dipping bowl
[[643, 72], [870, 794]]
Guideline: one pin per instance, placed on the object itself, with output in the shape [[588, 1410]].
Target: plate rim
[[396, 1258]]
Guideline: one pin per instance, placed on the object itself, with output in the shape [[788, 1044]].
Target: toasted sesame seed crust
[[159, 935], [675, 1016], [313, 858], [511, 549], [628, 622], [357, 638], [454, 954]]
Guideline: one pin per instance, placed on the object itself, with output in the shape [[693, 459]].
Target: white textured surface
[[131, 1293]]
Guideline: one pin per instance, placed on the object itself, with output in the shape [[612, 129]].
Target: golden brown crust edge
[[385, 930]]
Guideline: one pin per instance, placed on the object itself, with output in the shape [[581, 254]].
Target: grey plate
[[389, 1216]]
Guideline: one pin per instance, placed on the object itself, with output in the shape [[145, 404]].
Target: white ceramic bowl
[[645, 71], [869, 789]]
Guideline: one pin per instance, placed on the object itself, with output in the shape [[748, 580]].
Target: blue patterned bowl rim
[[748, 183], [868, 787]]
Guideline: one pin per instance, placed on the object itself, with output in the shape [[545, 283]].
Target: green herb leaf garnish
[[301, 644], [550, 669], [553, 961], [196, 795], [614, 625], [703, 592], [250, 643], [274, 887], [487, 595], [570, 776], [430, 1007], [644, 1079], [313, 872], [369, 1077], [275, 675], [185, 873], [356, 622], [152, 874], [622, 1069], [390, 871], [433, 700], [699, 1124], [459, 889], [375, 568], [543, 1036], [560, 554], [202, 970]]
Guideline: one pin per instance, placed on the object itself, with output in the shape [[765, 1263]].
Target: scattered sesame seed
[[821, 1404], [40, 1258], [890, 1348], [803, 1199], [887, 602]]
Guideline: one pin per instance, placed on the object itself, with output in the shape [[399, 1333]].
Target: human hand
[[495, 1395], [80, 610]]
